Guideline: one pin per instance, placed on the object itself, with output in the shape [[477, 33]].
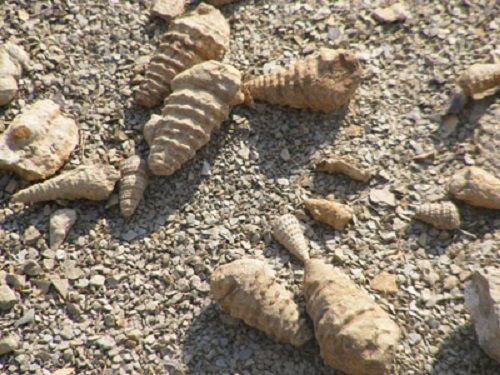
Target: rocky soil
[[131, 297]]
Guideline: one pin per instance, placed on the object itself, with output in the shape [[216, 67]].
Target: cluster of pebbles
[[133, 296]]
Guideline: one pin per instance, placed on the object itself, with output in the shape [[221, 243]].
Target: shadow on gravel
[[213, 347], [460, 354]]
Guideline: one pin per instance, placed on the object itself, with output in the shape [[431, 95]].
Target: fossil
[[168, 9], [476, 187], [442, 215], [12, 60], [202, 98], [149, 128], [247, 290], [61, 222], [334, 214], [193, 38], [480, 80], [344, 165], [323, 82], [38, 141], [93, 182], [288, 232], [134, 179], [354, 334]]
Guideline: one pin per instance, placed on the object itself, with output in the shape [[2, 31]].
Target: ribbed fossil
[[354, 334], [61, 222], [202, 98], [480, 80], [443, 215], [134, 180], [331, 213], [93, 182], [193, 38], [288, 232], [149, 128], [476, 187], [38, 141], [247, 290], [323, 82], [345, 165]]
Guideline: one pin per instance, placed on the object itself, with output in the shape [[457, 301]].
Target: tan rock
[[328, 212], [61, 222], [385, 282], [476, 187], [392, 13], [168, 9], [345, 165]]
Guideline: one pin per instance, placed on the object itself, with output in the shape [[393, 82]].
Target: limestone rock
[[476, 187], [61, 222], [168, 9], [344, 165], [480, 80], [288, 232], [134, 180], [38, 141], [329, 212], [8, 298]]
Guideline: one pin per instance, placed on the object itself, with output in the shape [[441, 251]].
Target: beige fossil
[[480, 80], [443, 215], [345, 165], [134, 180], [61, 222], [288, 232], [329, 212], [12, 60], [168, 9]]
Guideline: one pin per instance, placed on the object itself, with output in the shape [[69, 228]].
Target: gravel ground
[[134, 295]]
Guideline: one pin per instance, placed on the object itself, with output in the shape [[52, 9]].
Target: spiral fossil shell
[[288, 232], [480, 80], [323, 82], [354, 334], [331, 213], [442, 215], [247, 290], [196, 37], [202, 98], [134, 180]]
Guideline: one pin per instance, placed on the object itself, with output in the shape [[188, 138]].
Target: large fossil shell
[[331, 213], [196, 37], [12, 60], [38, 141], [288, 232], [93, 182], [476, 187], [247, 290], [202, 98], [323, 82], [480, 80], [354, 334], [61, 222], [344, 165], [133, 182], [442, 215]]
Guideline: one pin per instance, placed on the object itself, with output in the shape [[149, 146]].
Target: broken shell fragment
[[328, 212], [288, 232], [93, 182], [61, 222], [480, 80], [442, 215], [344, 165], [323, 82], [247, 289], [476, 187], [134, 181]]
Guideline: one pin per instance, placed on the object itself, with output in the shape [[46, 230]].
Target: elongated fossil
[[443, 215], [329, 212], [134, 180], [288, 232], [344, 165]]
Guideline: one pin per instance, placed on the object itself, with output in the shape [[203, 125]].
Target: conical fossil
[[93, 182], [247, 290], [288, 232], [442, 215], [323, 82], [344, 165], [476, 187], [480, 80], [202, 98], [196, 37], [134, 181], [61, 222], [331, 213], [354, 334]]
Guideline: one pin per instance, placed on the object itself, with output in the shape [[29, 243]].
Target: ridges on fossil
[[193, 38], [247, 290], [133, 182], [442, 215], [323, 82], [288, 232], [202, 98]]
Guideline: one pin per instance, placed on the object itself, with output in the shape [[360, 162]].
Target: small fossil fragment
[[334, 214], [344, 165], [168, 9], [38, 141], [480, 80], [323, 82], [288, 232], [247, 290], [202, 98], [93, 182], [354, 334], [134, 180], [476, 187], [196, 37], [12, 60], [61, 222], [442, 215]]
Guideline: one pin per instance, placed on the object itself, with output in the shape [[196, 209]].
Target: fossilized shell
[[335, 214], [61, 222], [149, 128], [476, 187], [196, 37], [8, 89], [38, 141], [480, 80], [323, 82], [12, 59], [344, 165], [354, 334], [247, 290], [288, 232], [202, 98], [134, 180], [93, 182], [442, 215]]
